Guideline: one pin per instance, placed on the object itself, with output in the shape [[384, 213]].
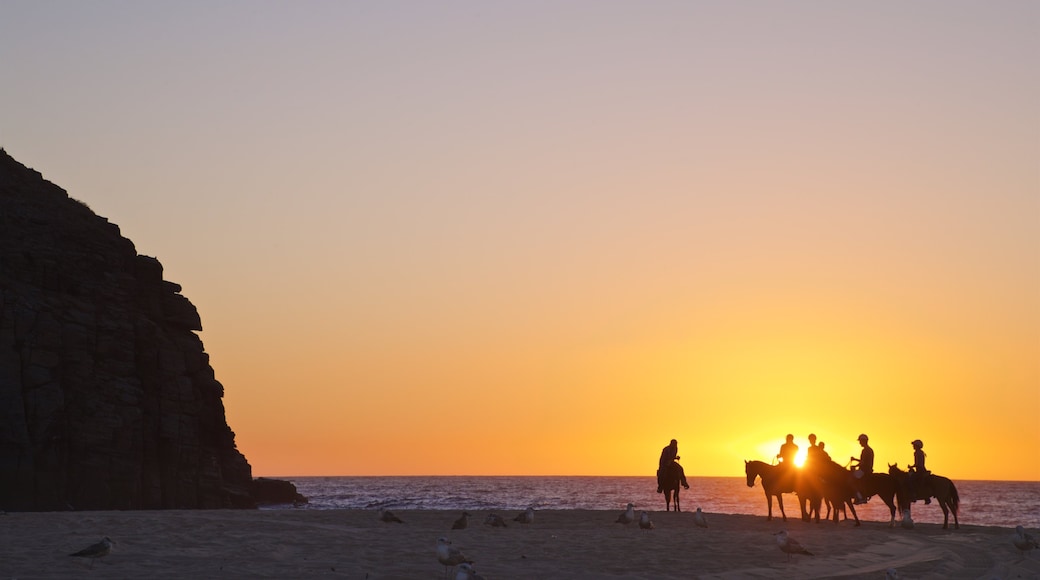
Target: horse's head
[[894, 470], [751, 473]]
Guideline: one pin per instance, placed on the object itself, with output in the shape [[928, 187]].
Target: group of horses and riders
[[820, 479]]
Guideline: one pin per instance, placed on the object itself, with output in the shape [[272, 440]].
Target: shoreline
[[588, 544]]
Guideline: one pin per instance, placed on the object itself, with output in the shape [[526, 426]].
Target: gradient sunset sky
[[547, 237]]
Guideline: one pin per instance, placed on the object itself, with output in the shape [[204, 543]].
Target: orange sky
[[527, 238]]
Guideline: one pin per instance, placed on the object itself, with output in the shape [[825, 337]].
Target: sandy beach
[[559, 544]]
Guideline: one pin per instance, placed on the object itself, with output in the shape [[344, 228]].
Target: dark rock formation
[[275, 491], [107, 398]]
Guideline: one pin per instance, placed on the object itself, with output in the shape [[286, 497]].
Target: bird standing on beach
[[789, 545], [466, 572], [95, 551], [495, 521], [1023, 541], [525, 517], [699, 519], [908, 522], [644, 521], [449, 555], [388, 516], [891, 574], [628, 516], [462, 522]]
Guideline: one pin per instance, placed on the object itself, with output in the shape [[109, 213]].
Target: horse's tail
[[955, 498]]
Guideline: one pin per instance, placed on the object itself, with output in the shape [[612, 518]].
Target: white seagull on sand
[[388, 516], [462, 522], [699, 519], [449, 555], [525, 517], [95, 551], [1023, 541], [466, 572], [628, 516], [789, 545], [644, 521]]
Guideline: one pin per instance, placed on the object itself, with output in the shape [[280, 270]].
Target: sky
[[545, 238]]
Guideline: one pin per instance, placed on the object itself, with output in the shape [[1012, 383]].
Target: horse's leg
[[891, 510], [677, 497], [853, 508], [946, 512], [780, 503], [769, 502]]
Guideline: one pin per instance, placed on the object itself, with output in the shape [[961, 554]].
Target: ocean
[[985, 503]]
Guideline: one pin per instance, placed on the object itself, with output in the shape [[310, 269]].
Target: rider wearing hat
[[918, 473], [864, 466]]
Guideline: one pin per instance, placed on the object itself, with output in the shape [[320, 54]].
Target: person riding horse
[[788, 451], [669, 454], [864, 467], [918, 474]]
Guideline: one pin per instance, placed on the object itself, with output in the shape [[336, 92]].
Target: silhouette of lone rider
[[669, 454]]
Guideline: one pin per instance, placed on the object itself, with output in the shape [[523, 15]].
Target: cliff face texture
[[107, 398]]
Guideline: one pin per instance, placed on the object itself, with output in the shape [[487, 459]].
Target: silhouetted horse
[[672, 477], [776, 480], [884, 486], [936, 486], [833, 482]]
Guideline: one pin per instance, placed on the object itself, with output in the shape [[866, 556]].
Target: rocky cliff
[[107, 397]]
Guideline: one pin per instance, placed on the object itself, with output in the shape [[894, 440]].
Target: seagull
[[495, 521], [450, 556], [644, 521], [628, 516], [95, 551], [388, 516], [1023, 541], [891, 574], [908, 522], [462, 522], [525, 517], [789, 545], [699, 519], [466, 572]]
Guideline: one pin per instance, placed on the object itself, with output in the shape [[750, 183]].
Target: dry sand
[[559, 544]]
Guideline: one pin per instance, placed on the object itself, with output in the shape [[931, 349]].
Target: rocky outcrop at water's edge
[[107, 397]]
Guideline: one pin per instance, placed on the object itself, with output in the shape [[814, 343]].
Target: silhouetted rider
[[863, 468], [917, 472], [669, 454], [787, 452]]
